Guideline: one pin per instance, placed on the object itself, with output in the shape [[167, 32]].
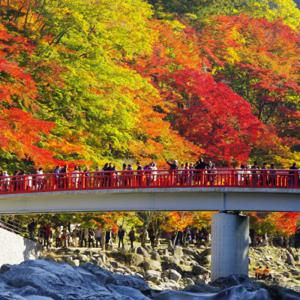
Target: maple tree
[[214, 117], [286, 223], [259, 60], [206, 112], [282, 223], [20, 131], [177, 221]]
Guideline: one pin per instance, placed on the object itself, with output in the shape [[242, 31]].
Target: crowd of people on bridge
[[200, 173]]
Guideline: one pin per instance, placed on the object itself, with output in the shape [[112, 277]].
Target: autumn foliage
[[87, 81], [20, 131]]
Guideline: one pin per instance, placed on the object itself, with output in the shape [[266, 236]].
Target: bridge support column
[[230, 245]]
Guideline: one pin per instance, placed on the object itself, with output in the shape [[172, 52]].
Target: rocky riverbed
[[162, 274], [177, 269], [49, 280]]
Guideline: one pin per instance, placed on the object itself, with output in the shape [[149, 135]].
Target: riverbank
[[177, 269], [49, 280]]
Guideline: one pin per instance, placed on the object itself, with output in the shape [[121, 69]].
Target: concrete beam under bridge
[[153, 199]]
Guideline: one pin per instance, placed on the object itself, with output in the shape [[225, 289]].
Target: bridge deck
[[163, 199]]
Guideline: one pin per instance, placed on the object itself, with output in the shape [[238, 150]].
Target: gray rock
[[178, 253], [174, 275], [290, 259], [189, 281], [142, 251], [114, 264], [154, 276], [76, 262], [150, 264], [5, 268], [169, 262], [84, 258], [155, 256], [295, 272], [136, 259], [199, 270]]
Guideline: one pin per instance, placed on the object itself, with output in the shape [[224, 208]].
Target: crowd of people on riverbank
[[76, 235], [200, 173]]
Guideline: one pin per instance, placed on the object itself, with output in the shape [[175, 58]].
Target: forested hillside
[[88, 81]]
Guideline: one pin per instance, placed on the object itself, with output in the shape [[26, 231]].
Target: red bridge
[[241, 178]]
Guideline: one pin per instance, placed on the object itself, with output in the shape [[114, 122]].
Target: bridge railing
[[150, 179]]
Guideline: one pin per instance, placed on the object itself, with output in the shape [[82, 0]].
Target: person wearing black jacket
[[173, 172], [173, 165], [200, 166]]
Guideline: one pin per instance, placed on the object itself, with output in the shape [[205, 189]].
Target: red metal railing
[[242, 178]]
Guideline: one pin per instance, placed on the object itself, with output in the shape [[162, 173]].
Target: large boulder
[[174, 275]]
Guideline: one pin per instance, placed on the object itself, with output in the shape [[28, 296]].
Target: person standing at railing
[[211, 171], [200, 168], [264, 175], [140, 174], [114, 176], [75, 177], [241, 175], [17, 180], [87, 178], [40, 179], [56, 172], [272, 175], [190, 172], [173, 171], [129, 174], [123, 177], [6, 181], [80, 177], [148, 171], [254, 172], [293, 175], [181, 174], [28, 182], [154, 173]]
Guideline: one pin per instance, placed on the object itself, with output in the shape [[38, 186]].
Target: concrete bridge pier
[[230, 245]]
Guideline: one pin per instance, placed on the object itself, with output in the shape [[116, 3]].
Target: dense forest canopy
[[87, 81], [90, 81]]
